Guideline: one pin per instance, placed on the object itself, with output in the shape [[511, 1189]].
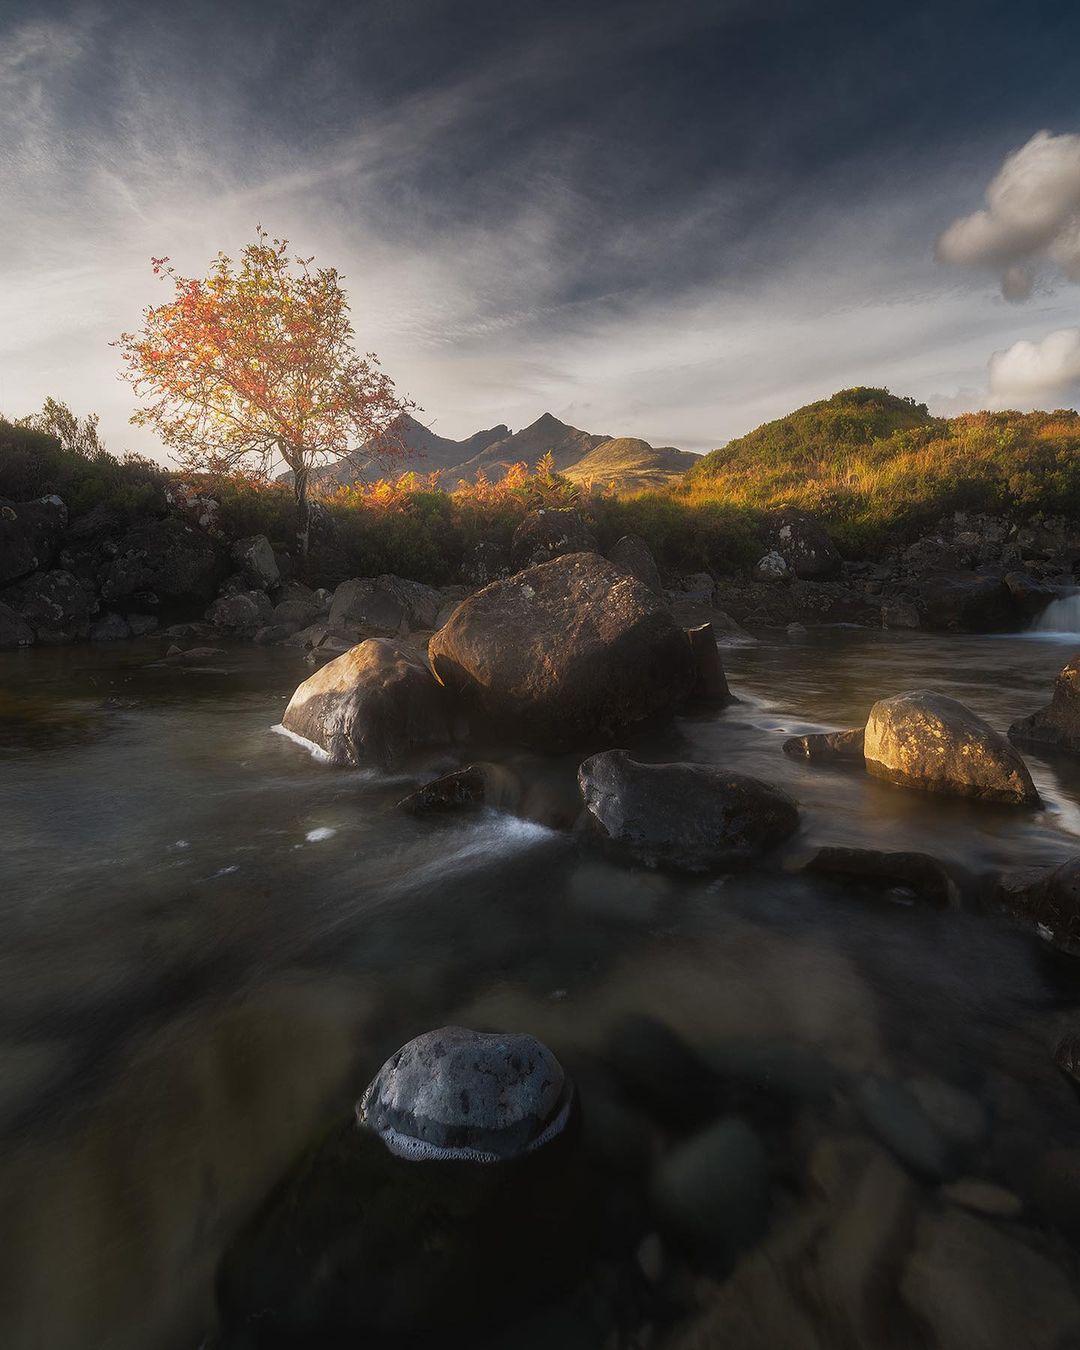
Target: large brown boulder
[[933, 742], [372, 705], [1057, 726], [564, 652]]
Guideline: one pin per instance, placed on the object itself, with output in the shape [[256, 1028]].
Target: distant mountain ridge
[[629, 463]]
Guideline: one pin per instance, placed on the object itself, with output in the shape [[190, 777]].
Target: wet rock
[[693, 817], [484, 562], [772, 567], [322, 638], [1067, 1055], [168, 558], [804, 545], [1057, 726], [544, 535], [983, 1197], [194, 656], [934, 743], [923, 875], [466, 789], [14, 630], [1031, 596], [254, 556], [462, 1095], [975, 1286], [969, 603], [373, 704], [632, 556], [110, 628], [1046, 899], [563, 652], [895, 1116], [713, 1191], [242, 612], [384, 606], [828, 747], [56, 605], [29, 536], [710, 687], [900, 614]]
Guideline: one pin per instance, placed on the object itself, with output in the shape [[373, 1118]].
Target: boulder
[[710, 683], [141, 624], [475, 785], [930, 556], [462, 1095], [484, 562], [241, 612], [1050, 539], [803, 544], [1031, 595], [254, 556], [966, 602], [828, 747], [696, 589], [1048, 900], [632, 556], [14, 630], [384, 606], [919, 873], [563, 653], [168, 559], [693, 817], [373, 704], [1057, 726], [29, 536], [544, 535], [110, 628], [900, 614], [773, 567], [299, 612], [934, 743], [54, 604]]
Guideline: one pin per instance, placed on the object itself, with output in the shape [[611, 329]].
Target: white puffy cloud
[[1037, 372], [1032, 214]]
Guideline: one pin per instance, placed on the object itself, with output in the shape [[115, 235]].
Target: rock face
[[168, 559], [254, 557], [544, 535], [241, 611], [694, 817], [1057, 726], [29, 536], [969, 603], [467, 1096], [1048, 900], [564, 652], [825, 747], [54, 604], [373, 704], [631, 554], [803, 544], [931, 742], [384, 606]]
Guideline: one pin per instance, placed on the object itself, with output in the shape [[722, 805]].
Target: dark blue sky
[[660, 219]]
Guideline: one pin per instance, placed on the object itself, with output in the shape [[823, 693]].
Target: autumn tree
[[255, 366]]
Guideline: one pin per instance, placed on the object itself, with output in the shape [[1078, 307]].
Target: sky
[[672, 221]]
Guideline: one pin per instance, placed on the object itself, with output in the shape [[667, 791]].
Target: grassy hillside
[[631, 465], [874, 465]]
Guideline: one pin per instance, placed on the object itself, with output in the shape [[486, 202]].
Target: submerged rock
[[934, 743], [925, 876], [825, 747], [1057, 726], [1047, 899], [373, 704], [694, 817], [564, 652], [462, 1095], [465, 789]]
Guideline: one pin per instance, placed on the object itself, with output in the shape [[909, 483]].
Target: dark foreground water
[[209, 942]]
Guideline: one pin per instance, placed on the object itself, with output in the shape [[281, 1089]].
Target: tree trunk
[[303, 515]]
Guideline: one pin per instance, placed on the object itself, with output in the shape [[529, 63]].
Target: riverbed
[[211, 941]]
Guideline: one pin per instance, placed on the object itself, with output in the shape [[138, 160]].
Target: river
[[210, 941]]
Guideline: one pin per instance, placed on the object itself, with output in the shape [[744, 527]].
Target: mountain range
[[581, 455]]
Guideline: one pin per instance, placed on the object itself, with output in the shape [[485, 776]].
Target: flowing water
[[210, 942]]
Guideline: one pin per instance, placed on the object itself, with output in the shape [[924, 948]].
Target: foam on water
[[1060, 618], [315, 751], [316, 836]]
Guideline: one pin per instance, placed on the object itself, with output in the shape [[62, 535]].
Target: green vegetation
[[877, 468]]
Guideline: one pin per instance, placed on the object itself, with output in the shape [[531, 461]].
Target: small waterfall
[[1060, 616]]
